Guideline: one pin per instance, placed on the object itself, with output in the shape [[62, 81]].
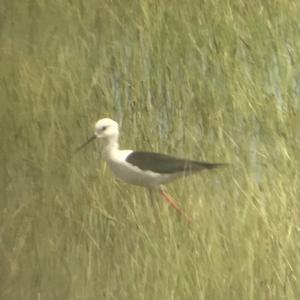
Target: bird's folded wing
[[165, 164]]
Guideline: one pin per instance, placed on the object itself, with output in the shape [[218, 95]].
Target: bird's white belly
[[134, 175]]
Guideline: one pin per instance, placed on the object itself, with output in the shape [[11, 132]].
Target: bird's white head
[[106, 128]]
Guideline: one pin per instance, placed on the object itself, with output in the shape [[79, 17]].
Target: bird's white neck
[[112, 145]]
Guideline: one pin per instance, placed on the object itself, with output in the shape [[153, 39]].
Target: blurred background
[[209, 80]]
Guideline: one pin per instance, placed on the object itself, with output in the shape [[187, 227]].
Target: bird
[[148, 169]]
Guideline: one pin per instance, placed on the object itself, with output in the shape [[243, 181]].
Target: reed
[[208, 80]]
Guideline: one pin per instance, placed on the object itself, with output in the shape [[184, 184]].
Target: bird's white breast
[[132, 174]]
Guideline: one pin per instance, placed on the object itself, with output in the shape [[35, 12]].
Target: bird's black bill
[[84, 144]]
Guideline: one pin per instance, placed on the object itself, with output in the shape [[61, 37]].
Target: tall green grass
[[209, 80]]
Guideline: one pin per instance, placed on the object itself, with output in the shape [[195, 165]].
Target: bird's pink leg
[[172, 202]]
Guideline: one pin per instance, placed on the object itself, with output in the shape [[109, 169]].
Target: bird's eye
[[103, 128]]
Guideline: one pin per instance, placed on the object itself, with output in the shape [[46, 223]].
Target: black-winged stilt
[[147, 169]]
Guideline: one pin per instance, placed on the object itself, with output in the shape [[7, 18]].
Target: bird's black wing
[[165, 164]]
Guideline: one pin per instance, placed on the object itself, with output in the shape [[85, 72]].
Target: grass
[[210, 80]]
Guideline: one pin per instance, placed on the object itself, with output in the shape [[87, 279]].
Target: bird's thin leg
[[172, 202]]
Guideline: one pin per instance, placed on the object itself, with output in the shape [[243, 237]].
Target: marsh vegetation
[[209, 80]]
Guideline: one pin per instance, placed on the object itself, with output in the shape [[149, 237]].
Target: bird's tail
[[194, 166]]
